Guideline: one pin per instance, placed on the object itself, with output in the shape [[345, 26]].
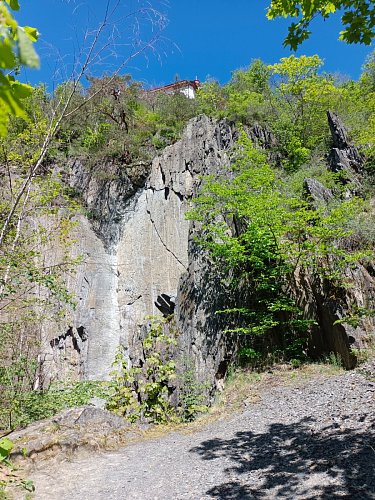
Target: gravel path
[[314, 440]]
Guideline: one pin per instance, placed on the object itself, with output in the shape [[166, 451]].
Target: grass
[[364, 355], [244, 387]]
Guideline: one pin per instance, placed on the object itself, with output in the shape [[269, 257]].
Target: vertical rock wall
[[138, 246], [134, 248]]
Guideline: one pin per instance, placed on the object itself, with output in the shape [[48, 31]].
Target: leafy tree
[[301, 98], [123, 122], [248, 93], [258, 235], [211, 98], [358, 18], [255, 78], [367, 79]]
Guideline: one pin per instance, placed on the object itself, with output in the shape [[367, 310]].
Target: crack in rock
[[133, 301], [162, 241]]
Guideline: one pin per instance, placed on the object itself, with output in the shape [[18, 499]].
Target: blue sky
[[203, 38]]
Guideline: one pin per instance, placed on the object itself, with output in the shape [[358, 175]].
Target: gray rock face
[[344, 157], [135, 250], [108, 193], [330, 306], [316, 193], [83, 343], [261, 136], [204, 345], [140, 259]]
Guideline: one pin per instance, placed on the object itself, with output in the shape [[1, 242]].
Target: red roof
[[179, 85]]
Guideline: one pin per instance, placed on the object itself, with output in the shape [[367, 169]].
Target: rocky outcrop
[[340, 312], [83, 430], [315, 193], [135, 249], [159, 231], [261, 136], [140, 258], [206, 346], [344, 157]]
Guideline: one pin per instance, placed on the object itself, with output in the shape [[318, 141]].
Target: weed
[[334, 359], [36, 405], [144, 391], [192, 394], [8, 473]]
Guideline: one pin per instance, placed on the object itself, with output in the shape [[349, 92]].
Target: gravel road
[[313, 440]]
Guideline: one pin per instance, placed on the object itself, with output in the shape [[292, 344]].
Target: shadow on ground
[[296, 461]]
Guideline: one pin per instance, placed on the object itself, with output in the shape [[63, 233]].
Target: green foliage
[[245, 106], [279, 233], [6, 447], [143, 391], [244, 99], [297, 71], [334, 359], [254, 79], [302, 97], [35, 254], [16, 49], [93, 140], [356, 316], [367, 80], [121, 121], [25, 407], [211, 98], [249, 357], [191, 395], [290, 98], [122, 400], [295, 351], [358, 18]]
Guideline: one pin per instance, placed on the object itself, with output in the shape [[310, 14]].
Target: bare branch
[[61, 110]]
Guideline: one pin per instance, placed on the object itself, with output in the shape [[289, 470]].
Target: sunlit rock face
[[134, 245], [139, 258]]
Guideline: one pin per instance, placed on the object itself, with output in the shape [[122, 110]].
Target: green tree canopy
[[358, 18]]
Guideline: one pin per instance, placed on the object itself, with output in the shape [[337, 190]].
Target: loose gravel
[[315, 440]]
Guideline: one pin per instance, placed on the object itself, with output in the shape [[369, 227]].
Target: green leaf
[[27, 54], [329, 8], [9, 100], [308, 7], [13, 4], [6, 447], [3, 120], [21, 90], [32, 33], [7, 58]]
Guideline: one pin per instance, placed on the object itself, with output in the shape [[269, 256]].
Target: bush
[[31, 406], [144, 391]]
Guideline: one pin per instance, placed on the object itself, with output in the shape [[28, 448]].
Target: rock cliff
[[140, 259], [338, 311], [135, 246]]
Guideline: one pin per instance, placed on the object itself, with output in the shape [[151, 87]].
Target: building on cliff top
[[186, 87]]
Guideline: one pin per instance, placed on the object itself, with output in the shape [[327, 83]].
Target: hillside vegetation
[[115, 121]]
